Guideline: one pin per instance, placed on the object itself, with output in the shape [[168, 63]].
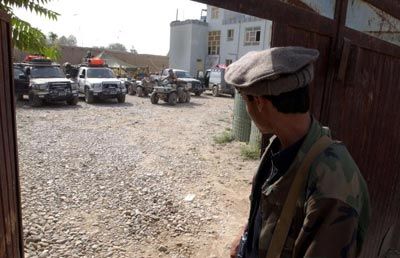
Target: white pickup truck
[[99, 82]]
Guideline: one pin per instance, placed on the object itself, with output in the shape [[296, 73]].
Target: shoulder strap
[[285, 220]]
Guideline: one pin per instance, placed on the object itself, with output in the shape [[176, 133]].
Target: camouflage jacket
[[332, 213]]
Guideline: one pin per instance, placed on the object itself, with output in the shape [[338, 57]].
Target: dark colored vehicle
[[170, 93], [214, 81], [47, 82], [185, 78], [21, 82]]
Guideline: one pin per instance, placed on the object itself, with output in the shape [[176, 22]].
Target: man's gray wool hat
[[272, 71]]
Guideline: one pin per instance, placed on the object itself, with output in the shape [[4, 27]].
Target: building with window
[[222, 38]]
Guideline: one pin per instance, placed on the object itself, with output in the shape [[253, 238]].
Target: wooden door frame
[[13, 225]]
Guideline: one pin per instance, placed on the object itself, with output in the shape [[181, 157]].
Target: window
[[228, 62], [214, 12], [100, 73], [253, 36], [230, 35], [47, 72], [17, 73], [214, 38]]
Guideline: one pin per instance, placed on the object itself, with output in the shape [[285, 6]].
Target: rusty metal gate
[[11, 244], [356, 91]]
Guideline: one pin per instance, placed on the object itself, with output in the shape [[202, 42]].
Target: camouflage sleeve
[[329, 230]]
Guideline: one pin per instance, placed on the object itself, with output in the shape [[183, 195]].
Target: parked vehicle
[[142, 88], [21, 82], [126, 81], [214, 81], [170, 93], [46, 82], [184, 77], [97, 81]]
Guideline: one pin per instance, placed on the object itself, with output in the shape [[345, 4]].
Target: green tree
[[53, 38], [133, 50], [26, 37], [117, 47], [70, 41]]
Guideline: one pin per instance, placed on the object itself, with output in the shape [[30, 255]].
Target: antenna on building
[[177, 12]]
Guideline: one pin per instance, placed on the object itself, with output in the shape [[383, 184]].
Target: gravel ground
[[130, 180]]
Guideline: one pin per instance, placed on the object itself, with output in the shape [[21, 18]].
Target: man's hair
[[297, 101]]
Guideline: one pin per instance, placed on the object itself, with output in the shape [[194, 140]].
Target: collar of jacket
[[315, 132]]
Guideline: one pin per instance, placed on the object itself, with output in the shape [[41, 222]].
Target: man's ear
[[261, 103]]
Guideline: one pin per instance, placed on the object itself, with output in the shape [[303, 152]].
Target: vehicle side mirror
[[28, 71], [82, 76], [22, 77], [118, 77], [68, 76]]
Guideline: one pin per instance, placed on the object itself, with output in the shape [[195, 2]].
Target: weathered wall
[[188, 42]]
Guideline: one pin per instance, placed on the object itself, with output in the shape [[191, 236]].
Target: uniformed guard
[[308, 196], [171, 77]]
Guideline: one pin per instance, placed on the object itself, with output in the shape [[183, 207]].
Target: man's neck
[[292, 128]]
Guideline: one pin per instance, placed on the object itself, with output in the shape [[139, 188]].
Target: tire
[[139, 91], [182, 98], [154, 98], [215, 91], [73, 101], [35, 101], [187, 97], [172, 98], [20, 96], [88, 97], [121, 98], [197, 93], [131, 91]]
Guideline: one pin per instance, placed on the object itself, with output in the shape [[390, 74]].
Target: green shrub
[[224, 137], [250, 152]]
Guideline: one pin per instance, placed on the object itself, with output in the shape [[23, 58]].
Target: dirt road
[[131, 180]]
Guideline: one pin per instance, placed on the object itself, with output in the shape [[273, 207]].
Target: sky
[[144, 24]]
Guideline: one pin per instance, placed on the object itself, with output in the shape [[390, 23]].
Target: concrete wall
[[199, 47], [189, 40], [238, 22], [188, 43], [265, 41]]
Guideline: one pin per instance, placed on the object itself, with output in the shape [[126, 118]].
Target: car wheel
[[73, 101], [88, 97], [154, 98], [182, 98], [215, 91], [121, 98], [35, 101], [139, 91], [131, 91], [172, 98], [197, 93]]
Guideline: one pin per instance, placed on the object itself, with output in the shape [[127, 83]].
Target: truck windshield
[[46, 72], [183, 74], [100, 73]]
